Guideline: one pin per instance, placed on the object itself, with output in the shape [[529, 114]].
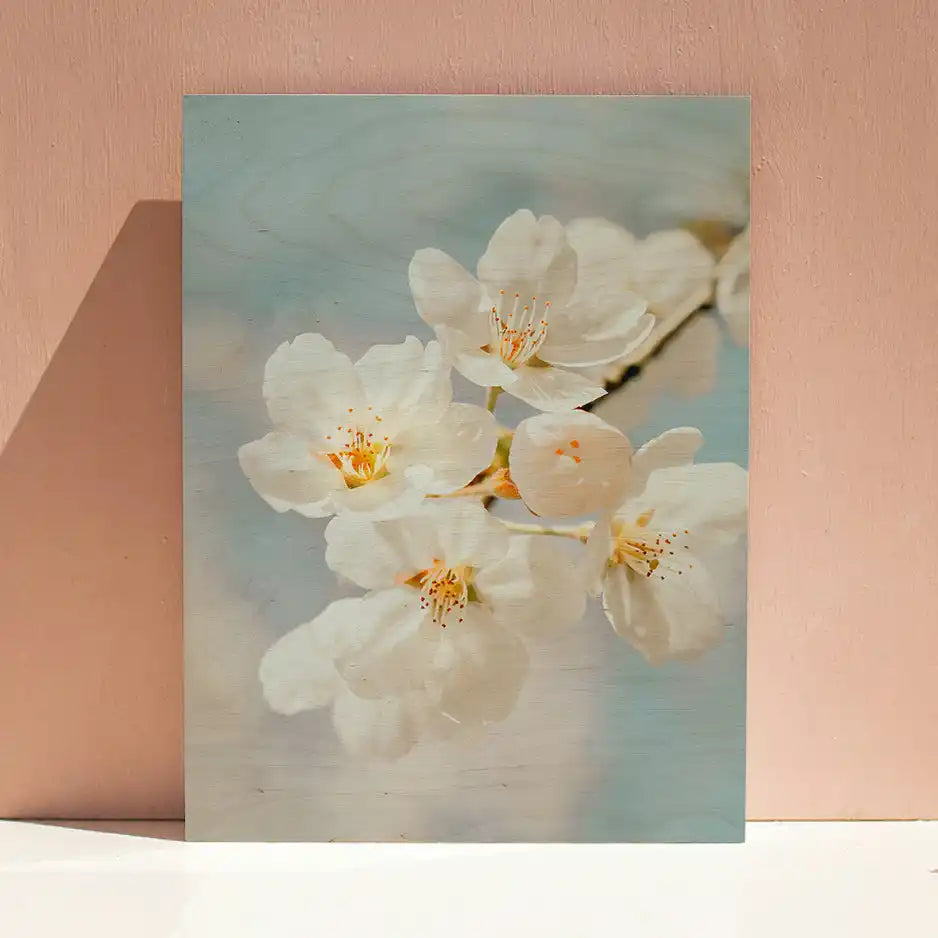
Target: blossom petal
[[672, 448], [405, 380], [709, 501], [479, 669], [673, 271], [596, 336], [388, 497], [286, 475], [553, 389], [468, 534], [569, 464], [485, 369], [530, 256], [309, 386], [380, 554], [297, 672], [617, 599], [473, 362], [536, 589], [604, 252], [456, 449], [446, 294], [391, 644], [674, 617], [598, 243], [597, 554], [382, 728]]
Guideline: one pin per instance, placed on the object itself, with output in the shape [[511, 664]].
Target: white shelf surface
[[830, 879]]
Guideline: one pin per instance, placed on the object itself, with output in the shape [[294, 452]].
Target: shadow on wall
[[90, 489]]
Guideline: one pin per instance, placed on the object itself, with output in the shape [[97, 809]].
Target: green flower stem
[[580, 533], [503, 448], [491, 398]]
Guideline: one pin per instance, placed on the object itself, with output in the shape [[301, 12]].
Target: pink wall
[[843, 636]]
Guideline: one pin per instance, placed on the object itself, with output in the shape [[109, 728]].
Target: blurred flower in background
[[732, 292]]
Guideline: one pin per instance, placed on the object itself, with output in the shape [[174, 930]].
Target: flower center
[[517, 330], [646, 552], [574, 445], [360, 455], [443, 590]]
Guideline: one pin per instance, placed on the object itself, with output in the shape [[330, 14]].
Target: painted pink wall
[[844, 633]]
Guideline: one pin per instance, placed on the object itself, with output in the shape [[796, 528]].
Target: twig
[[580, 533]]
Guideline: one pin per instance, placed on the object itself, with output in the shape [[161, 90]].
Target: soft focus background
[[301, 214]]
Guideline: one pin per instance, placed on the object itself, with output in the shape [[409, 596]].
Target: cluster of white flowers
[[453, 596]]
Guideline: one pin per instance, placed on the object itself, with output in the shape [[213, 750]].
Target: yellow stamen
[[443, 590], [517, 333], [646, 552], [360, 457]]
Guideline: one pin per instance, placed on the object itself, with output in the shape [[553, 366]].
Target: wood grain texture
[[304, 213], [843, 661]]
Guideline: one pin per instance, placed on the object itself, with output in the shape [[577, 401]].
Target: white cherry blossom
[[372, 437], [569, 464], [524, 322], [647, 556], [437, 645], [732, 291]]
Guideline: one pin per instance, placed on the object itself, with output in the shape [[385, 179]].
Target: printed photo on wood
[[466, 392]]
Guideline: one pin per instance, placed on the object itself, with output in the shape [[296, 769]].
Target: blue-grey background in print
[[301, 214]]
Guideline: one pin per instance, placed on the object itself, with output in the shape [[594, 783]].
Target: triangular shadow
[[90, 494]]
